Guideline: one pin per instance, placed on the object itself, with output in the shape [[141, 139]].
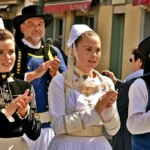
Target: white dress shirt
[[138, 121], [31, 46]]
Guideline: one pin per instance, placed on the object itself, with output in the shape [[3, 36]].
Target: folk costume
[[139, 103], [72, 98], [29, 58], [122, 140], [13, 127]]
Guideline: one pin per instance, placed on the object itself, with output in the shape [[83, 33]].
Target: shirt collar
[[30, 45], [135, 74]]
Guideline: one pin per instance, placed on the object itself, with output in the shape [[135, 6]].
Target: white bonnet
[[76, 31], [1, 23]]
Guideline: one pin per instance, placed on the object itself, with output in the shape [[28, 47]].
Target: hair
[[87, 33], [6, 35], [137, 56]]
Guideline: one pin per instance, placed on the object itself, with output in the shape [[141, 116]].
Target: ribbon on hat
[[75, 52], [1, 23]]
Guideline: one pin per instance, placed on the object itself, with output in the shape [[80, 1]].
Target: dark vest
[[122, 139], [22, 51], [21, 63], [142, 141]]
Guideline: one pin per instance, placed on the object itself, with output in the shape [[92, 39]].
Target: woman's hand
[[19, 104], [23, 103], [106, 100], [12, 107], [113, 98]]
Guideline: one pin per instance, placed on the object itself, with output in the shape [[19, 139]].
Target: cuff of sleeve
[[25, 77], [96, 116], [113, 122], [9, 117], [22, 118], [107, 114]]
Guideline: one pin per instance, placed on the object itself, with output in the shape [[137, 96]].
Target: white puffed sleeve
[[138, 121], [111, 119]]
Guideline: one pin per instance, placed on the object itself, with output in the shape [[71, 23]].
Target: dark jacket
[[118, 84], [30, 126], [122, 140], [22, 51], [29, 59]]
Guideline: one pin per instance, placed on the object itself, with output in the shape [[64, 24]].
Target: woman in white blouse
[[81, 100]]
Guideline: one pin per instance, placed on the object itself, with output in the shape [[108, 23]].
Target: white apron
[[17, 143]]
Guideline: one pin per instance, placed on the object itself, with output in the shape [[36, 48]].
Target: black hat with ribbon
[[144, 50], [31, 12]]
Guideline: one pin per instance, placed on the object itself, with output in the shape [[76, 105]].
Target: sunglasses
[[130, 60]]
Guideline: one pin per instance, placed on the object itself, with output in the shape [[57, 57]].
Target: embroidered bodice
[[88, 85]]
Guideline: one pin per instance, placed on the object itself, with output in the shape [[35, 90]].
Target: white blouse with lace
[[84, 105]]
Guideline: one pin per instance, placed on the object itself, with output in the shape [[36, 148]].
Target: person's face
[[33, 30], [136, 65], [7, 55], [89, 52]]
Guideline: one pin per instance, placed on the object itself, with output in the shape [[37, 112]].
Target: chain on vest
[[47, 53]]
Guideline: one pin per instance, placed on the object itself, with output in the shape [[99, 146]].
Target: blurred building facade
[[121, 24]]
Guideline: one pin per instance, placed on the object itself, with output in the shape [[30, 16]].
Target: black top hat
[[30, 12], [144, 48]]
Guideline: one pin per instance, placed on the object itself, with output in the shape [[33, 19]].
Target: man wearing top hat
[[138, 122], [37, 64]]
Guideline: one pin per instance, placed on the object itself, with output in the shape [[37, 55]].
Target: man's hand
[[39, 72], [110, 75], [53, 67]]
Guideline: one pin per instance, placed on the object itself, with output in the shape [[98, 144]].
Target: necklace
[[5, 94], [89, 101]]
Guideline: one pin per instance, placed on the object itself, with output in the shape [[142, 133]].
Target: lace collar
[[81, 74], [87, 85]]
